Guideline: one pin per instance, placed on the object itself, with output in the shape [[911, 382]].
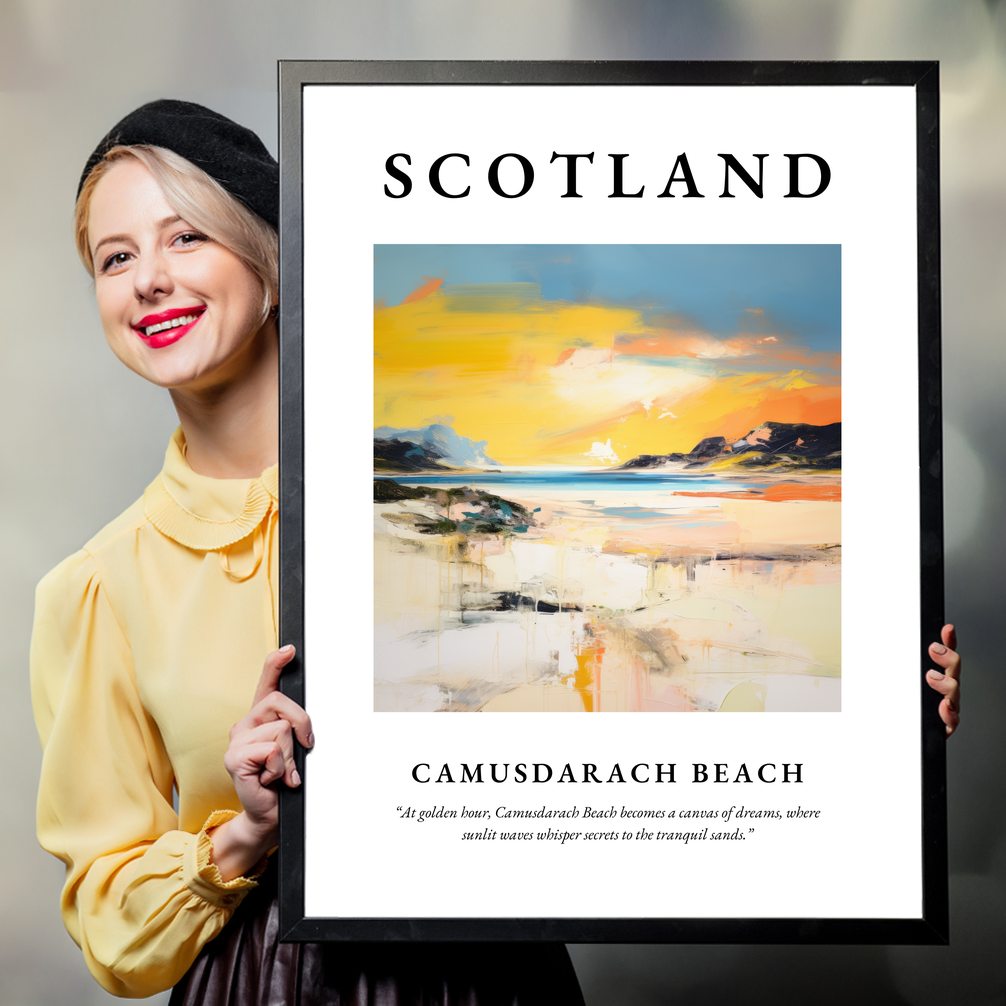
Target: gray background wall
[[81, 436]]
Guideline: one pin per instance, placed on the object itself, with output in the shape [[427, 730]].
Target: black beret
[[231, 154]]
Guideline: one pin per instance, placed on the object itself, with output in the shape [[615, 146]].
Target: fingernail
[[287, 649], [310, 740], [938, 648], [936, 675], [295, 777]]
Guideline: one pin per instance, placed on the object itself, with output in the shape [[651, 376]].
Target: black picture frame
[[932, 926]]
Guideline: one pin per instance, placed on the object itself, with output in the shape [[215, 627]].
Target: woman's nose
[[152, 277]]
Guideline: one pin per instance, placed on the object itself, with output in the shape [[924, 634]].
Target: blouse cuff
[[202, 876]]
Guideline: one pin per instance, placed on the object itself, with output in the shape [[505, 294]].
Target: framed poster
[[610, 394]]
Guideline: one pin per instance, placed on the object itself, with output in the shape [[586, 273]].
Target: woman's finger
[[949, 688], [259, 760], [950, 716], [949, 636], [279, 732], [277, 706], [271, 671], [273, 766], [948, 659], [945, 685]]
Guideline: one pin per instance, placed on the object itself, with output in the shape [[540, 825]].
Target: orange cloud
[[699, 345], [422, 292]]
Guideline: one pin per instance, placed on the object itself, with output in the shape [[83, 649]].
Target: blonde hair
[[199, 200]]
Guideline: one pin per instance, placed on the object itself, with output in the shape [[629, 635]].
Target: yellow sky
[[553, 382]]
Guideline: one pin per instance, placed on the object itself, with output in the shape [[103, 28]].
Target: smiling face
[[177, 307]]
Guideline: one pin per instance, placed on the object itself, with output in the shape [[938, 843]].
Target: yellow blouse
[[147, 647]]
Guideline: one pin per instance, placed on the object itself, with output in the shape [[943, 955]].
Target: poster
[[610, 414], [583, 566]]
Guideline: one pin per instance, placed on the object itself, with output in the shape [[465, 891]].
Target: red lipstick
[[166, 328]]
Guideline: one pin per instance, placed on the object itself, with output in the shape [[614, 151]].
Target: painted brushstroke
[[614, 486]]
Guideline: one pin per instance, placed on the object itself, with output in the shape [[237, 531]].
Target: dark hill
[[403, 456], [800, 440], [791, 445]]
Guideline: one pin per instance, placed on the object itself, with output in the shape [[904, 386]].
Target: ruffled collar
[[203, 513]]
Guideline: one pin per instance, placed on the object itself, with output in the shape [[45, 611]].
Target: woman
[[148, 643]]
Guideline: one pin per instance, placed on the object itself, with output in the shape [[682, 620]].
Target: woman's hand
[[260, 753], [947, 682]]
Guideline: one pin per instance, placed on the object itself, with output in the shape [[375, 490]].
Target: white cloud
[[604, 453], [592, 382]]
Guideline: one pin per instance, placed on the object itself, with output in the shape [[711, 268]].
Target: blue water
[[542, 481], [588, 486]]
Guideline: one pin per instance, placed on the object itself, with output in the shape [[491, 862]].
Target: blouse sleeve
[[141, 898]]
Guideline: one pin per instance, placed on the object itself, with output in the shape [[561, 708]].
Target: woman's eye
[[190, 238], [114, 261]]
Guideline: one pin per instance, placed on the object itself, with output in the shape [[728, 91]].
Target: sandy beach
[[636, 599]]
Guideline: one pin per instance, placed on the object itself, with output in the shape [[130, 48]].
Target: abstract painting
[[607, 478]]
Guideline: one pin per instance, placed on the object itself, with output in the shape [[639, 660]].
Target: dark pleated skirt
[[246, 965]]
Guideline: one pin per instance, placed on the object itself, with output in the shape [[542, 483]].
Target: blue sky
[[797, 286]]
